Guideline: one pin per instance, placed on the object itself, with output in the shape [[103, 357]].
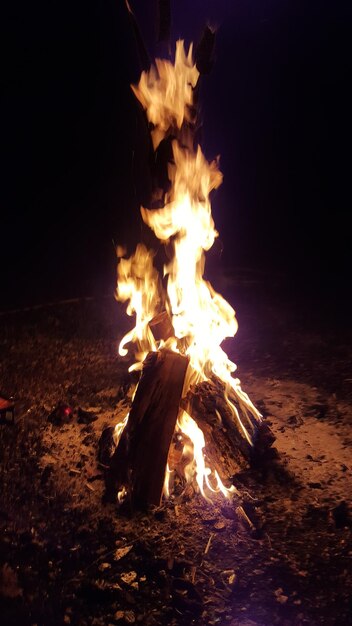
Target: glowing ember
[[201, 318]]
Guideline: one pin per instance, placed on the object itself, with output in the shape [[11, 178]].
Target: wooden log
[[161, 326], [226, 447], [139, 461]]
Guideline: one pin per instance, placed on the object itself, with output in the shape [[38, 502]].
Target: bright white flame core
[[201, 318]]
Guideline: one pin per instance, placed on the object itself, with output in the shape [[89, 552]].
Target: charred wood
[[227, 448], [161, 326], [139, 461]]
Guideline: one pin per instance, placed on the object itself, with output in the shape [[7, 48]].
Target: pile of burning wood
[[190, 421]]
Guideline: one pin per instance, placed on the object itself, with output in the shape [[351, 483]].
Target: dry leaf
[[129, 577], [120, 552]]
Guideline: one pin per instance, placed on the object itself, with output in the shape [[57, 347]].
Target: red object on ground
[[62, 414], [7, 405]]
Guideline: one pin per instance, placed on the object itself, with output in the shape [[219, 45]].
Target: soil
[[67, 558]]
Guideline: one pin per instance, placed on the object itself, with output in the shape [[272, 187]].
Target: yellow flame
[[201, 317], [138, 283], [197, 467], [166, 92], [166, 488]]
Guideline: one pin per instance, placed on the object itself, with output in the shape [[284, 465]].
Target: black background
[[276, 107]]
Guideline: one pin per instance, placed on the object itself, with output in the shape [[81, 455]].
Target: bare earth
[[65, 558]]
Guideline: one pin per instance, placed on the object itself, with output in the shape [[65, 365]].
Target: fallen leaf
[[119, 615], [104, 566], [129, 577], [121, 552], [220, 525]]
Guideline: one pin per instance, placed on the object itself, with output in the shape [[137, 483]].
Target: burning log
[[219, 415], [139, 462], [227, 450]]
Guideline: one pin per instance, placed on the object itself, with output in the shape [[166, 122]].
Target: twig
[[209, 543], [240, 511]]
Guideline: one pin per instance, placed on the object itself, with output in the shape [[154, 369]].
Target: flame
[[166, 92], [119, 428], [138, 283], [201, 318], [197, 467]]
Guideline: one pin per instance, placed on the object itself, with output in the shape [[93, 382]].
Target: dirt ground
[[66, 558]]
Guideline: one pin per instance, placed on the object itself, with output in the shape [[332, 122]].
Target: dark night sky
[[276, 107]]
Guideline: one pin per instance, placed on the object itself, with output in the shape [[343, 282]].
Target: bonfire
[[190, 422]]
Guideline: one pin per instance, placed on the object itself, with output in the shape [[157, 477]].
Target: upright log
[[139, 461]]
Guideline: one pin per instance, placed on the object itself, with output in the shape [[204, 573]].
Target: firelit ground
[[65, 558]]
